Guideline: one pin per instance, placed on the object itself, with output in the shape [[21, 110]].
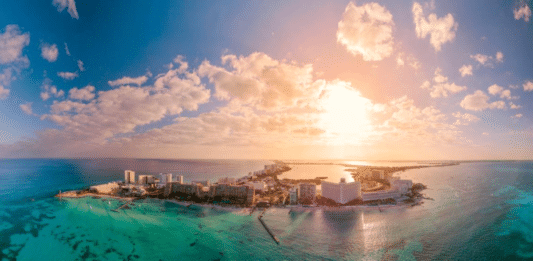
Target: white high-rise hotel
[[129, 177], [341, 192]]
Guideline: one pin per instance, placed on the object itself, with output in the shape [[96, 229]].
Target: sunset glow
[[355, 79]]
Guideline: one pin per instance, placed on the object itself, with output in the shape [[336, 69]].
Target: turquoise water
[[480, 211]]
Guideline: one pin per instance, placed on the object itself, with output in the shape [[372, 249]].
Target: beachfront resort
[[263, 188]]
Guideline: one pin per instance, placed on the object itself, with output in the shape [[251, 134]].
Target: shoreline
[[419, 200], [248, 210]]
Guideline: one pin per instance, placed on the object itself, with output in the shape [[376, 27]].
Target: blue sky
[[276, 79]]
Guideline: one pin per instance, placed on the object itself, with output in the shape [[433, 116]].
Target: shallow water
[[480, 211]]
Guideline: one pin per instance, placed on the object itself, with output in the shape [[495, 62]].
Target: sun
[[345, 116]]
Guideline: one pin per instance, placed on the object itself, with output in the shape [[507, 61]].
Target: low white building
[[341, 192], [227, 180], [105, 188], [258, 185], [205, 183], [402, 185], [381, 195]]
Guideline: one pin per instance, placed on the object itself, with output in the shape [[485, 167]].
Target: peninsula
[[372, 186]]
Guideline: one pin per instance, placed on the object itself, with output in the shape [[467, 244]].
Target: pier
[[117, 209], [266, 227]]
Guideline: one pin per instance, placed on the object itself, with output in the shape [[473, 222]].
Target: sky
[[358, 80]]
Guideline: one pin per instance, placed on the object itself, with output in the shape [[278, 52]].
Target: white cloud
[[402, 59], [441, 30], [67, 50], [67, 75], [366, 30], [499, 57], [62, 4], [6, 78], [486, 60], [399, 60], [260, 81], [80, 65], [416, 125], [3, 92], [128, 80], [519, 115], [514, 106], [26, 108], [480, 58], [49, 52], [441, 87], [50, 90], [86, 93], [465, 70], [12, 41], [522, 11], [121, 110], [479, 101], [464, 119], [528, 86], [495, 89]]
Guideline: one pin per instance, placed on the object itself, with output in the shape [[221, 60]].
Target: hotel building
[[307, 191], [129, 176], [341, 192]]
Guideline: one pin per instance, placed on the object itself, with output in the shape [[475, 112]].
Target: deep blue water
[[480, 211]]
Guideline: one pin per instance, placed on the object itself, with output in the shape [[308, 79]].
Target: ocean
[[479, 211]]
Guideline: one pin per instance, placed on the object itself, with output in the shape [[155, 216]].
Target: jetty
[[266, 227], [117, 209]]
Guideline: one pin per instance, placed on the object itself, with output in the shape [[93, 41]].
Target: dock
[[266, 227], [117, 209], [252, 211]]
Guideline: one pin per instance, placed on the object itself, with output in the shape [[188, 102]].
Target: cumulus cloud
[[503, 93], [122, 109], [479, 101], [402, 59], [441, 87], [26, 108], [80, 66], [528, 86], [366, 30], [259, 80], [514, 106], [68, 75], [464, 119], [486, 60], [128, 80], [441, 30], [85, 94], [12, 41], [49, 90], [499, 57], [69, 4], [6, 78], [412, 124], [522, 12], [3, 92], [519, 115], [465, 70], [49, 52]]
